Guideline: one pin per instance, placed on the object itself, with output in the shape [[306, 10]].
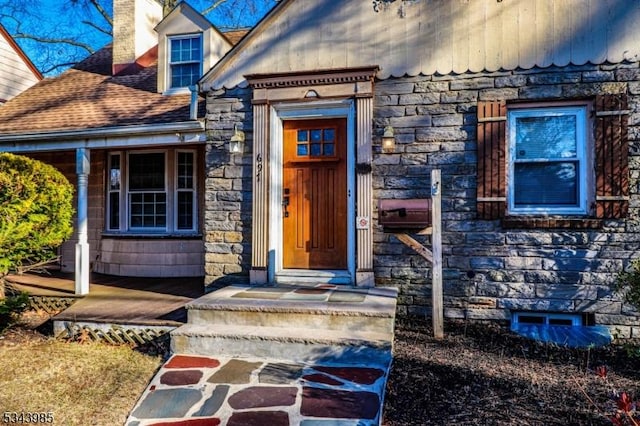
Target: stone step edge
[[328, 310], [288, 335]]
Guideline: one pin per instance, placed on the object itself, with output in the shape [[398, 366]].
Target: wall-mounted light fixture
[[236, 144], [388, 140]]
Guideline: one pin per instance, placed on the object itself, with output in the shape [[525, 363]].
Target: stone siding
[[227, 215], [490, 270]]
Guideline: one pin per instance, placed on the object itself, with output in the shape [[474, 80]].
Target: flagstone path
[[207, 391]]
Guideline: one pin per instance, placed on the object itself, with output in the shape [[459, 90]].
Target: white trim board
[[309, 110]]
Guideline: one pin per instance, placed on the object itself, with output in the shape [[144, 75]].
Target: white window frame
[[171, 189], [169, 73], [192, 190], [165, 191], [583, 158]]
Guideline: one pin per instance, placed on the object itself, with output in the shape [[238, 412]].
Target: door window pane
[[316, 142]]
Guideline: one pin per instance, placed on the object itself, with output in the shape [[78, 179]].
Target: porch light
[[236, 144], [388, 140]]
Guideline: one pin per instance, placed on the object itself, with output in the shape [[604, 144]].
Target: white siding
[[15, 75], [434, 36]]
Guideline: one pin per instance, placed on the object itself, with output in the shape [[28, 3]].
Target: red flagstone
[[181, 377], [321, 378], [339, 404], [263, 396], [196, 422], [259, 418], [183, 361], [364, 376]]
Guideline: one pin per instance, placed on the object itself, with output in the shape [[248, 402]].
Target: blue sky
[[57, 19]]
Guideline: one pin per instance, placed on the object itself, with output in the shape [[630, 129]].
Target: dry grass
[[79, 383]]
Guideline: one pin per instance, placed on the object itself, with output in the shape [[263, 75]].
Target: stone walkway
[[197, 391]]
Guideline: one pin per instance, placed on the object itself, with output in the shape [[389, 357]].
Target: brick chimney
[[133, 33]]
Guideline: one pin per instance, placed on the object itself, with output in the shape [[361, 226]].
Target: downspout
[[193, 110]]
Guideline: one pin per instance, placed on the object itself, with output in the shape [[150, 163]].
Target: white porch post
[[365, 276], [82, 247], [258, 274]]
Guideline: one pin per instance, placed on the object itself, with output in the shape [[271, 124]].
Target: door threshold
[[313, 277]]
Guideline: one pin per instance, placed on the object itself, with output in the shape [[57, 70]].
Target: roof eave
[[102, 132]]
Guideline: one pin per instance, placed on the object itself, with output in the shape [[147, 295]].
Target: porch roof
[[89, 97]]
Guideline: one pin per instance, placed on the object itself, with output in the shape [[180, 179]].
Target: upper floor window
[[185, 60], [548, 156]]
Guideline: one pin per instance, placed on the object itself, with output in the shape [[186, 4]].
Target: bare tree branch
[[213, 6], [58, 34], [102, 12], [47, 40], [105, 31], [56, 67]]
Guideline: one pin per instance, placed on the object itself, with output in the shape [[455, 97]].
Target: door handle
[[285, 202]]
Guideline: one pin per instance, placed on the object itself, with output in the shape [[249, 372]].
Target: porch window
[[185, 60], [548, 160], [185, 190], [147, 191], [154, 190]]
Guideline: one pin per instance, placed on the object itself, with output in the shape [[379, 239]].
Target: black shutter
[[612, 152], [491, 178]]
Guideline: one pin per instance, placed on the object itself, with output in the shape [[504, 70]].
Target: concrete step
[[312, 277], [291, 343], [316, 308]]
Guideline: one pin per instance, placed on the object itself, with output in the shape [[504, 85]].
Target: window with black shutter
[[552, 161]]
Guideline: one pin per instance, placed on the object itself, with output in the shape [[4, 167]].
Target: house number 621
[[258, 167]]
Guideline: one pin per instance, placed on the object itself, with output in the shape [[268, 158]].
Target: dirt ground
[[482, 374]]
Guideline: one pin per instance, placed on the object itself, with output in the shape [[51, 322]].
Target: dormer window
[[188, 46], [185, 63]]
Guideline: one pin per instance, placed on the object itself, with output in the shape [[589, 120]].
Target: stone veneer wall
[[487, 270], [227, 215]]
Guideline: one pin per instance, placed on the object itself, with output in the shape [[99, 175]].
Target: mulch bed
[[482, 374]]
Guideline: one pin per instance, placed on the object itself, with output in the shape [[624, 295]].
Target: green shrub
[[628, 282], [11, 307], [36, 211]]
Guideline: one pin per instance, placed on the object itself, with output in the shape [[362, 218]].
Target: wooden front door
[[315, 194]]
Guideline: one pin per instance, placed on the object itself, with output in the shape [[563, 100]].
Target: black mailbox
[[405, 214]]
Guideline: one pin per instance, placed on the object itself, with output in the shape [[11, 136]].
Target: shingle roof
[[235, 36], [87, 96]]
